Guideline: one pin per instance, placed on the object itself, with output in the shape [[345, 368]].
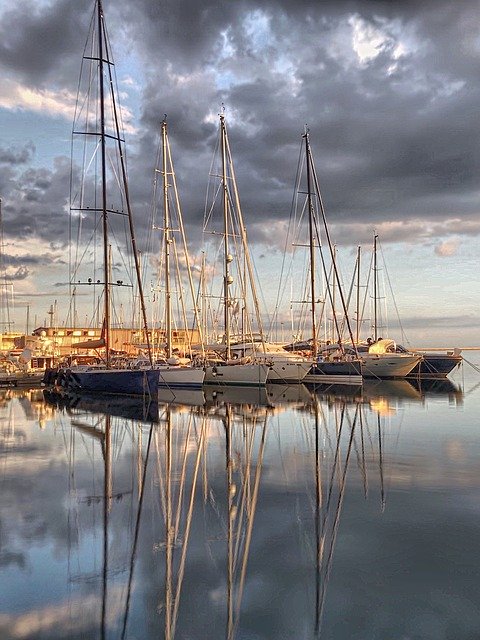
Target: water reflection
[[231, 514]]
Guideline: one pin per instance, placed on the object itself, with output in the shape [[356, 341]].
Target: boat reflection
[[357, 434], [294, 396], [183, 397], [372, 391], [204, 521], [120, 406], [216, 395], [438, 388]]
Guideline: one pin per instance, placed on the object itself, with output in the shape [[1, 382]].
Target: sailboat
[[380, 356], [176, 372], [339, 367], [227, 369], [431, 364], [96, 205]]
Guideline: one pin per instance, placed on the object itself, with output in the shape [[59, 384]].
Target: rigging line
[[337, 519], [216, 188], [182, 477], [135, 540], [160, 474], [185, 249], [403, 334], [380, 464], [251, 518], [333, 269], [364, 465], [245, 489], [327, 233], [349, 298], [121, 152], [367, 286], [181, 570], [243, 235], [327, 276], [471, 364], [279, 299], [334, 470]]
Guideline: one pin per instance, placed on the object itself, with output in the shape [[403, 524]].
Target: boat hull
[[435, 366], [174, 377], [335, 372], [253, 375], [132, 382], [388, 365], [285, 371]]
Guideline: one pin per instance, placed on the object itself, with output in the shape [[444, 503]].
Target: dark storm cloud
[[34, 202], [394, 136], [42, 43], [13, 156]]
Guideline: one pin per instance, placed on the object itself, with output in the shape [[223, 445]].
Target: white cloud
[[15, 96], [447, 248], [56, 103], [367, 41]]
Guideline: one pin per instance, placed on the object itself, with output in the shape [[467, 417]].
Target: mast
[[121, 153], [5, 307], [106, 270], [311, 244], [167, 242], [358, 295], [227, 278], [375, 292], [334, 264]]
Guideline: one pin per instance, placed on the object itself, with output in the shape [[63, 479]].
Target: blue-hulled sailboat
[[95, 205]]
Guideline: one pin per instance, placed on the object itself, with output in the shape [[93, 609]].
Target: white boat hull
[[388, 365], [175, 377], [237, 374], [286, 371]]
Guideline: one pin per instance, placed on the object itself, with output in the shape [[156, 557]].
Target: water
[[254, 515]]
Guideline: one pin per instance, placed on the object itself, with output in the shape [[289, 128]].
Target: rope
[[473, 365]]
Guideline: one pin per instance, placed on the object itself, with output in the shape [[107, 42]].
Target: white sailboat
[[176, 371], [284, 366], [343, 368], [431, 365], [380, 357], [226, 369]]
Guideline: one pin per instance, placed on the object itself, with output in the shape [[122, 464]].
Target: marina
[[234, 421], [272, 512]]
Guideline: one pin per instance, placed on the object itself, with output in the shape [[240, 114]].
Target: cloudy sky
[[389, 91]]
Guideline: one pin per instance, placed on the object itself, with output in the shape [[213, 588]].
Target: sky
[[389, 92]]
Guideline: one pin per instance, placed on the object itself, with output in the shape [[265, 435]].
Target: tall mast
[[167, 241], [4, 303], [106, 292], [135, 253], [311, 244], [334, 264], [227, 279], [358, 295], [375, 292]]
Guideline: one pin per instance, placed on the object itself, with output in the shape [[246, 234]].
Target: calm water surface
[[251, 515]]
